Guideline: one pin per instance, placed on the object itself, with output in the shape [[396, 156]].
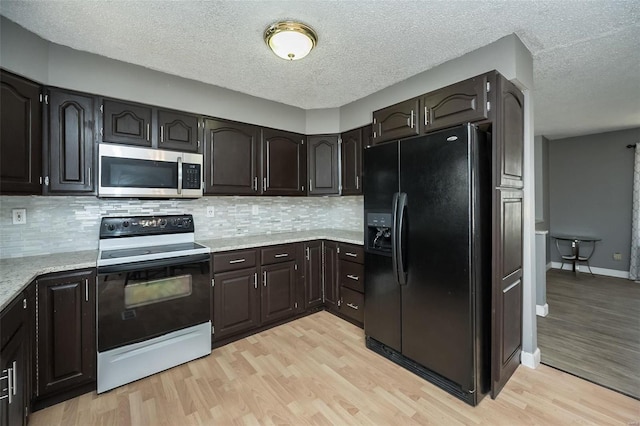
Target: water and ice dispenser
[[379, 230]]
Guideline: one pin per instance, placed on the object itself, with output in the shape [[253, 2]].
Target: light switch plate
[[19, 216]]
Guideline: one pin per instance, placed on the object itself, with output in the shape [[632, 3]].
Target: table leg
[[577, 253], [574, 252]]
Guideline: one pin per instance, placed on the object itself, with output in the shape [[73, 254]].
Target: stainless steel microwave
[[127, 171]]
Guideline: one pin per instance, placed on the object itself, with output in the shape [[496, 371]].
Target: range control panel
[[133, 226]]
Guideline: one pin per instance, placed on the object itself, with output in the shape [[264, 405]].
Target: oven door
[[142, 300]]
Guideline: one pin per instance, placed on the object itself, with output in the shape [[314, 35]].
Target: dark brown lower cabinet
[[236, 302], [278, 291], [14, 363], [331, 281], [313, 274], [66, 331]]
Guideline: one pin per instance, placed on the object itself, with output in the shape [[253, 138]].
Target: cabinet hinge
[[198, 144], [302, 188], [40, 180], [46, 180], [101, 131], [40, 97], [46, 99], [296, 305], [302, 140], [338, 250], [24, 303], [213, 330], [340, 188], [296, 266], [488, 86], [375, 135], [213, 282], [488, 106], [307, 253], [101, 108], [339, 141], [374, 121]]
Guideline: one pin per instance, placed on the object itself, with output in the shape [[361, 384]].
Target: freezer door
[[437, 325]]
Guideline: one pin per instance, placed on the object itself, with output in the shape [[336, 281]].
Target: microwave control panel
[[191, 176]]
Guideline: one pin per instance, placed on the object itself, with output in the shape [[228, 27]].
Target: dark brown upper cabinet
[[323, 165], [461, 102], [127, 123], [231, 158], [508, 133], [284, 163], [177, 131], [351, 148], [396, 121], [70, 141], [20, 135]]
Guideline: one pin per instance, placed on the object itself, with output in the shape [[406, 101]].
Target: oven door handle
[[158, 263]]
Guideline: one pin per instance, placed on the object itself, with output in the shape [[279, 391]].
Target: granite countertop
[[17, 273]]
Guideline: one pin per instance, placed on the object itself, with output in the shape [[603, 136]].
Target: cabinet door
[[351, 148], [313, 274], [235, 302], [126, 123], [66, 331], [20, 135], [396, 122], [177, 131], [323, 165], [284, 163], [331, 279], [71, 140], [506, 335], [278, 291], [462, 102], [509, 134], [231, 158]]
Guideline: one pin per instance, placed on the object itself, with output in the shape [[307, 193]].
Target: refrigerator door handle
[[394, 238], [402, 208]]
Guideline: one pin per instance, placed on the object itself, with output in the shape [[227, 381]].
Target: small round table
[[575, 255]]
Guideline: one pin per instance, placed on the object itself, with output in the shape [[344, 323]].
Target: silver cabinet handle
[[310, 185], [255, 280], [426, 116], [161, 133], [307, 254], [255, 183], [264, 184], [179, 175], [10, 384], [411, 122], [350, 254], [281, 255], [264, 278], [86, 289], [353, 277], [89, 175], [357, 182], [352, 306], [148, 131], [231, 262]]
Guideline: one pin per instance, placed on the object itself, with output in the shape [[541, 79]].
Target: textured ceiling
[[586, 55]]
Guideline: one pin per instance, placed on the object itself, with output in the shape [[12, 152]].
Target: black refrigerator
[[427, 207]]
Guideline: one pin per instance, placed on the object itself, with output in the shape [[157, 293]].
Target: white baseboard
[[596, 271], [549, 266], [531, 360], [542, 310]]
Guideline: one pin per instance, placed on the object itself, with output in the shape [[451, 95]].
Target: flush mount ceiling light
[[290, 40]]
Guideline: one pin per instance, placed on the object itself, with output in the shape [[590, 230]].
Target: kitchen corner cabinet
[[462, 102], [177, 131], [70, 141], [66, 331], [284, 163], [330, 276], [20, 135], [232, 158], [14, 362], [396, 121], [126, 123], [313, 274], [351, 158], [236, 295], [508, 131], [323, 167]]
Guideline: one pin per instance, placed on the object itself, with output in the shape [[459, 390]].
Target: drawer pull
[[281, 255], [231, 262], [350, 254], [352, 306], [353, 277]]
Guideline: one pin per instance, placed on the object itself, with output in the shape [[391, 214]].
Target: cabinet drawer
[[352, 275], [352, 253], [277, 254], [234, 260], [352, 304]]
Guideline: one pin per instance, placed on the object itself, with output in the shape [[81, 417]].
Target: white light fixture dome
[[290, 40]]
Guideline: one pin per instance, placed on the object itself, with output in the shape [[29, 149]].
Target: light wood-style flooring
[[593, 329], [316, 370]]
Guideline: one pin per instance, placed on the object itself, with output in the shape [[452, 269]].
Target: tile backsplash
[[64, 224]]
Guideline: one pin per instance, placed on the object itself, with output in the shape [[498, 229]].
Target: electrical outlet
[[211, 211], [19, 216], [254, 209], [617, 256]]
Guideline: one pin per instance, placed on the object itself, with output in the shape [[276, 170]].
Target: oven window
[[134, 173], [141, 293]]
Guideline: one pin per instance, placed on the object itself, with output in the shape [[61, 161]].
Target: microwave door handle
[[179, 175]]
